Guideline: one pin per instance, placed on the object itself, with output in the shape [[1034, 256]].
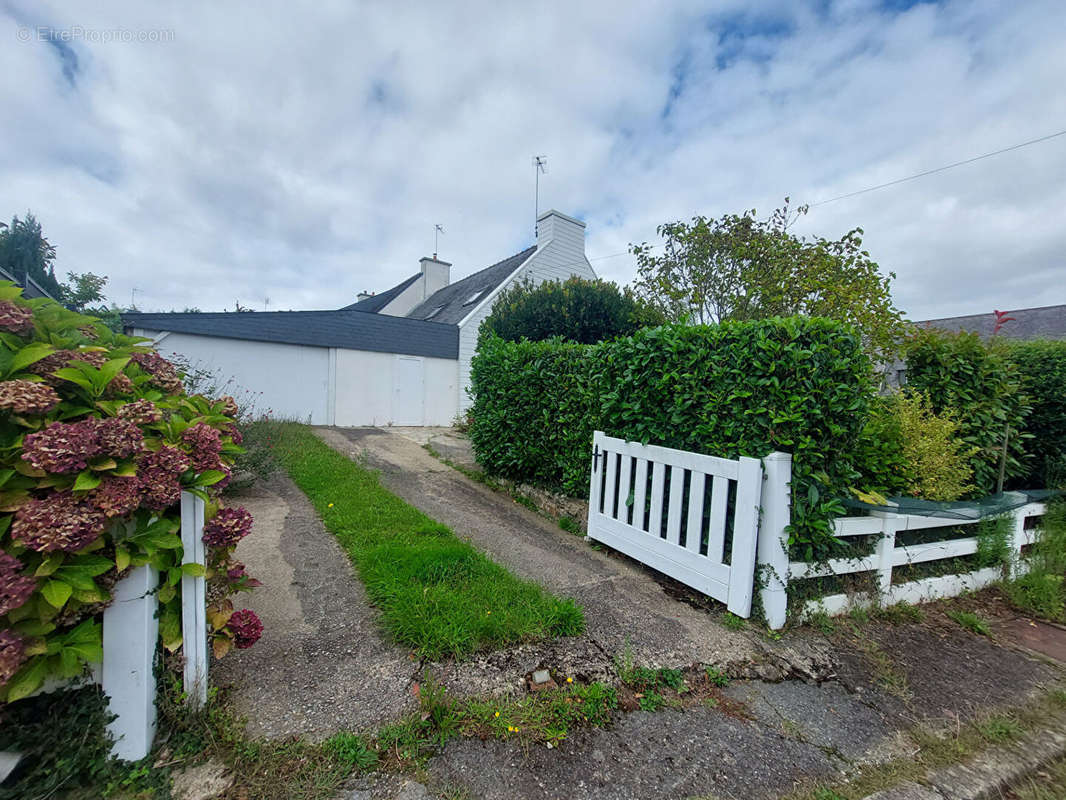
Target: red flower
[[27, 397], [227, 527], [58, 521], [15, 588], [246, 628], [13, 654]]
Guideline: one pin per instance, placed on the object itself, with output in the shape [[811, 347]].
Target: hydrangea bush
[[97, 441]]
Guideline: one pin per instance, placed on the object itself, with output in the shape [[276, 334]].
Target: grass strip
[[436, 593]]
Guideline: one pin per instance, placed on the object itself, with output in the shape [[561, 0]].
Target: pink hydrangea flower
[[58, 521], [163, 374], [141, 412], [205, 446], [15, 318], [63, 446], [15, 588], [117, 496], [246, 627], [160, 472], [227, 527], [12, 654], [27, 397]]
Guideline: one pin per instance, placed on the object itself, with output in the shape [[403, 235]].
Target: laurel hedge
[[795, 384], [1041, 371]]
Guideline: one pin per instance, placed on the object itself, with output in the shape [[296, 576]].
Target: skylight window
[[475, 297], [434, 312]]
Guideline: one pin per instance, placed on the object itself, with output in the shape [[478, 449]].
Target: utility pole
[[540, 164]]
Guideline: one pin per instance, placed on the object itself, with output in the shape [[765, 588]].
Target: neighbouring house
[[1044, 322], [30, 288], [399, 357]]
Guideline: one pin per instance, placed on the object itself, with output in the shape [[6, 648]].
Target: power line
[[940, 169]]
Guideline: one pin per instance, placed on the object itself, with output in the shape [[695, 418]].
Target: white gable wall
[[560, 255]]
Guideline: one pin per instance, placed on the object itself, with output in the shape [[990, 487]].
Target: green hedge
[[741, 388], [1042, 373], [980, 385]]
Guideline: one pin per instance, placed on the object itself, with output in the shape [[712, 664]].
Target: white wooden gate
[[691, 516]]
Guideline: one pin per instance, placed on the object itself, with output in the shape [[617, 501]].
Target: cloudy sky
[[205, 153]]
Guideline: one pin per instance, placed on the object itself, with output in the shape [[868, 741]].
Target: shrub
[[99, 440], [908, 449], [740, 388], [961, 375], [1042, 590], [578, 310], [1042, 372]]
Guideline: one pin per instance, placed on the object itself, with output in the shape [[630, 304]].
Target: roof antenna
[[437, 230], [540, 164]]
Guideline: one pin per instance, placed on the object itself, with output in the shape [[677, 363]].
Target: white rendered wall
[[365, 387], [291, 381], [406, 300], [560, 255]]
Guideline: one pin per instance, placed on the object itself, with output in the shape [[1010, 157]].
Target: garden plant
[[97, 441]]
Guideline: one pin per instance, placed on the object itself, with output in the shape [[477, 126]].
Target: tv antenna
[[133, 297], [540, 165], [437, 230]]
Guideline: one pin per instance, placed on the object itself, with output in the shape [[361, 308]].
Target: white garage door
[[408, 396]]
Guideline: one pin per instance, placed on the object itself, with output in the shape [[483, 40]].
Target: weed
[[437, 594], [999, 728], [1042, 590], [859, 615], [353, 750], [733, 622], [650, 701], [971, 622], [717, 677], [900, 613], [570, 525], [821, 620]]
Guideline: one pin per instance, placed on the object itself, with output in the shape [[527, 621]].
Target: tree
[[25, 252], [581, 310], [82, 289], [740, 267]]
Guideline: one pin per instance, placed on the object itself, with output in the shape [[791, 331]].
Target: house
[[30, 288], [399, 357], [1044, 322]]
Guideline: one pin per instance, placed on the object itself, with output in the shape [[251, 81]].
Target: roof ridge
[[983, 313]]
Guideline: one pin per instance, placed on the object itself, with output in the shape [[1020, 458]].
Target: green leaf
[[209, 477], [27, 680], [193, 570], [87, 480], [56, 593], [30, 354], [50, 565], [75, 376], [122, 558]]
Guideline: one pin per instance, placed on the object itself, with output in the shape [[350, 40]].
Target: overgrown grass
[[1042, 592], [971, 622], [437, 594]]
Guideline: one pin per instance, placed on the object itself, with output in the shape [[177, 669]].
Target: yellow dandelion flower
[[330, 505], [497, 715], [569, 680]]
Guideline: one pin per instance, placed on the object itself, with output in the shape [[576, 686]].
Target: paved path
[[322, 664], [626, 610]]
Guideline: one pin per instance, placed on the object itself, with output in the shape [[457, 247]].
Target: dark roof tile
[[452, 303], [376, 302], [1045, 322]]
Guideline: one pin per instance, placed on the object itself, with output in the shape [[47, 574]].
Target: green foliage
[[83, 411], [578, 310], [353, 750], [1041, 369], [962, 375], [81, 290], [24, 251], [741, 268], [741, 388], [1042, 590], [994, 542], [908, 449], [436, 594], [64, 743], [716, 677], [971, 622], [733, 622]]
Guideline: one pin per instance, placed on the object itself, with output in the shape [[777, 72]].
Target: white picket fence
[[670, 509], [131, 641], [631, 511]]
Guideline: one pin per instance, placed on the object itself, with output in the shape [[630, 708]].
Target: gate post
[[772, 553], [131, 632], [193, 601]]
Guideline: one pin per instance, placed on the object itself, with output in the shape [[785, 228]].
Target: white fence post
[[1018, 541], [194, 601], [131, 632], [886, 551], [772, 551]]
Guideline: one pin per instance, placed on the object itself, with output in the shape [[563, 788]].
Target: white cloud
[[304, 155]]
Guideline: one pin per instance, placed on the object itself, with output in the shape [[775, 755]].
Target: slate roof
[[455, 300], [1045, 322], [376, 302], [353, 330]]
